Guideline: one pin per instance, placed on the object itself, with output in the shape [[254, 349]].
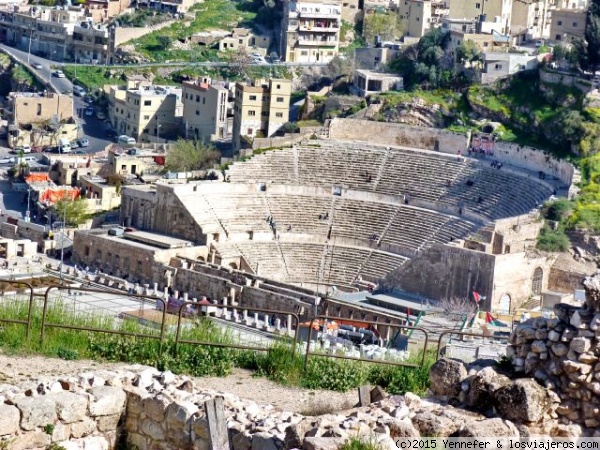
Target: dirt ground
[[16, 369]]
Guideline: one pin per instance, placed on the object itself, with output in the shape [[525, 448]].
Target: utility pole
[[28, 213]]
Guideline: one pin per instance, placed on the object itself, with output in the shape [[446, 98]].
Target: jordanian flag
[[491, 320]]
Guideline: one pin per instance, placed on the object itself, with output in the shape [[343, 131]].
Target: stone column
[[155, 289], [255, 320], [278, 324], [245, 313], [289, 323], [266, 324], [185, 296], [224, 313]]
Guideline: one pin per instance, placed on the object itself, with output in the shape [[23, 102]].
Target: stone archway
[[536, 281], [505, 303], [233, 265]]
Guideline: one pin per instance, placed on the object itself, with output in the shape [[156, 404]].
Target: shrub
[[551, 240], [558, 210]]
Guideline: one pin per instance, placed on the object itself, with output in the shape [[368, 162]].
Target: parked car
[[74, 143], [7, 160], [37, 66], [58, 74], [83, 142], [79, 91], [89, 111], [26, 148]]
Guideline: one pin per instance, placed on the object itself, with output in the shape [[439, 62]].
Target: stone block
[[155, 407], [264, 441], [60, 432], [9, 419], [107, 400], [81, 429], [95, 443], [553, 335], [580, 344], [108, 423], [152, 429], [36, 412], [30, 440], [522, 401], [321, 443], [135, 400], [538, 346], [446, 375], [70, 407], [137, 440], [430, 424]]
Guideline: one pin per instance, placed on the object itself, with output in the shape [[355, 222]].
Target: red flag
[[477, 297]]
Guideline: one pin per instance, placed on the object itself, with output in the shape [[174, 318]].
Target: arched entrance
[[536, 284], [505, 303], [233, 265]]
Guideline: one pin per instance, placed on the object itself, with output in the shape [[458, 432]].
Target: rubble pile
[[152, 409], [563, 355]]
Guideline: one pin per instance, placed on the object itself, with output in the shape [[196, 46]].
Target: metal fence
[[293, 323], [26, 322]]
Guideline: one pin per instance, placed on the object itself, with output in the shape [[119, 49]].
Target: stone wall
[[566, 79], [563, 354], [383, 133], [145, 408]]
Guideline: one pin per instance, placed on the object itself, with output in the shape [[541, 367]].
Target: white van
[[124, 139], [64, 146]]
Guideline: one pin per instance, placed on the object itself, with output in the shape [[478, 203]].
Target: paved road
[[92, 128]]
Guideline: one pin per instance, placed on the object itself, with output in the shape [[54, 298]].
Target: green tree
[[73, 212], [592, 34], [559, 53], [387, 26], [191, 155], [468, 52]]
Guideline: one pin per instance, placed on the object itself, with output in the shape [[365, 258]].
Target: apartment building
[[59, 33], [144, 111], [205, 107], [530, 20], [103, 10], [421, 16], [260, 108], [170, 6], [572, 4], [310, 30], [91, 44], [566, 25], [40, 119], [498, 11], [245, 38]]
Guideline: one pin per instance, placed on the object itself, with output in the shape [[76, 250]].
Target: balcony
[[315, 43], [319, 29], [319, 15]]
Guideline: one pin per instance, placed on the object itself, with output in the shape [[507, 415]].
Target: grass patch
[[361, 444], [209, 15], [279, 363]]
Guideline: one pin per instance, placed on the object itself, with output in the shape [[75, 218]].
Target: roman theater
[[416, 214]]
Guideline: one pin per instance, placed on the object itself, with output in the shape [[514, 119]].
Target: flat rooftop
[[157, 240]]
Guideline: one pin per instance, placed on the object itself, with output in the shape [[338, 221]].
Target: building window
[[574, 24], [146, 117], [147, 102], [558, 37], [278, 86], [278, 114], [197, 98], [197, 112], [203, 100], [253, 97], [478, 5], [559, 23], [249, 132], [251, 112], [417, 19], [280, 99], [498, 66], [39, 109]]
